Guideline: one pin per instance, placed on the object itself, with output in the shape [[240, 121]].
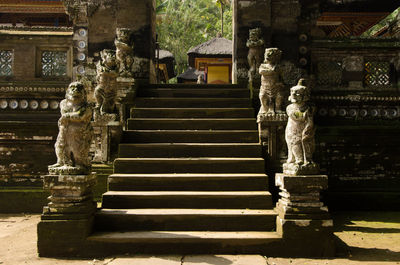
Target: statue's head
[[76, 92], [108, 58], [299, 93], [124, 34], [254, 34], [272, 55]]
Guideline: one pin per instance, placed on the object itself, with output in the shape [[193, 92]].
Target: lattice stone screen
[[377, 74], [6, 58], [54, 63], [329, 73]]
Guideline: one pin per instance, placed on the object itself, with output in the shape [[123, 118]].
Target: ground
[[371, 238]]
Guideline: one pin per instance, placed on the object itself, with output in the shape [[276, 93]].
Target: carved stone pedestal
[[303, 221], [68, 218], [271, 130], [126, 90], [125, 87], [105, 133]]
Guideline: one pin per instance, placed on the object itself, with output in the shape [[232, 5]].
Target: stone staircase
[[189, 177]]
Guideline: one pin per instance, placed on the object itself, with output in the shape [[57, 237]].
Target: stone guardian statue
[[106, 89], [256, 46], [75, 133], [300, 132], [271, 90], [124, 53]]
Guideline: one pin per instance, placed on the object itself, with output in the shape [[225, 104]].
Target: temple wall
[[29, 110]]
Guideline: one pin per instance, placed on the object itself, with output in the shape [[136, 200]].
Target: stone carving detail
[[300, 132], [6, 58], [353, 63], [75, 133], [54, 63], [290, 73], [106, 89], [329, 73], [124, 53], [271, 90], [255, 43]]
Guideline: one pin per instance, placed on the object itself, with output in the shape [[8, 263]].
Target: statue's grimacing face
[[297, 94], [76, 93]]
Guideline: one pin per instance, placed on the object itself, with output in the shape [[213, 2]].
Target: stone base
[[62, 238], [307, 238], [303, 221], [296, 169], [301, 183], [266, 117], [67, 170]]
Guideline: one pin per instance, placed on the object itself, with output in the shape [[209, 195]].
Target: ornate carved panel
[[377, 74], [6, 58], [329, 73], [54, 63]]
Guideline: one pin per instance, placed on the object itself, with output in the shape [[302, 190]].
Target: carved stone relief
[[106, 89], [300, 132], [271, 90], [255, 43], [75, 133], [124, 53]]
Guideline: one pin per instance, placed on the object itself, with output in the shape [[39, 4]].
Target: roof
[[215, 46], [32, 6], [190, 74], [165, 54]]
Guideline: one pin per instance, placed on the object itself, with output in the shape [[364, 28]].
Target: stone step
[[192, 103], [184, 242], [192, 112], [189, 165], [185, 219], [187, 199], [190, 136], [190, 150], [191, 124], [195, 93], [187, 182]]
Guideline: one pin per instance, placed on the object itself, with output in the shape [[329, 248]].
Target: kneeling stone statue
[[75, 133], [300, 133]]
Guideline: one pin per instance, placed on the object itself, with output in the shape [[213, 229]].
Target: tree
[[183, 24]]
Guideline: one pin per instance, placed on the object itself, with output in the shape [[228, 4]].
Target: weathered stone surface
[[294, 228], [301, 184], [106, 135], [75, 133], [106, 89], [255, 43], [300, 132], [124, 54], [271, 94]]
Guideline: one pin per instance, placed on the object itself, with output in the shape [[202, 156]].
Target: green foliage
[[183, 24]]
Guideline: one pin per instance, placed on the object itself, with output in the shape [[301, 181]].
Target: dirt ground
[[371, 238]]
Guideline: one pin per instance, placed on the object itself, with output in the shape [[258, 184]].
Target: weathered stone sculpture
[[300, 132], [271, 94], [124, 53], [256, 45], [106, 89], [75, 133]]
